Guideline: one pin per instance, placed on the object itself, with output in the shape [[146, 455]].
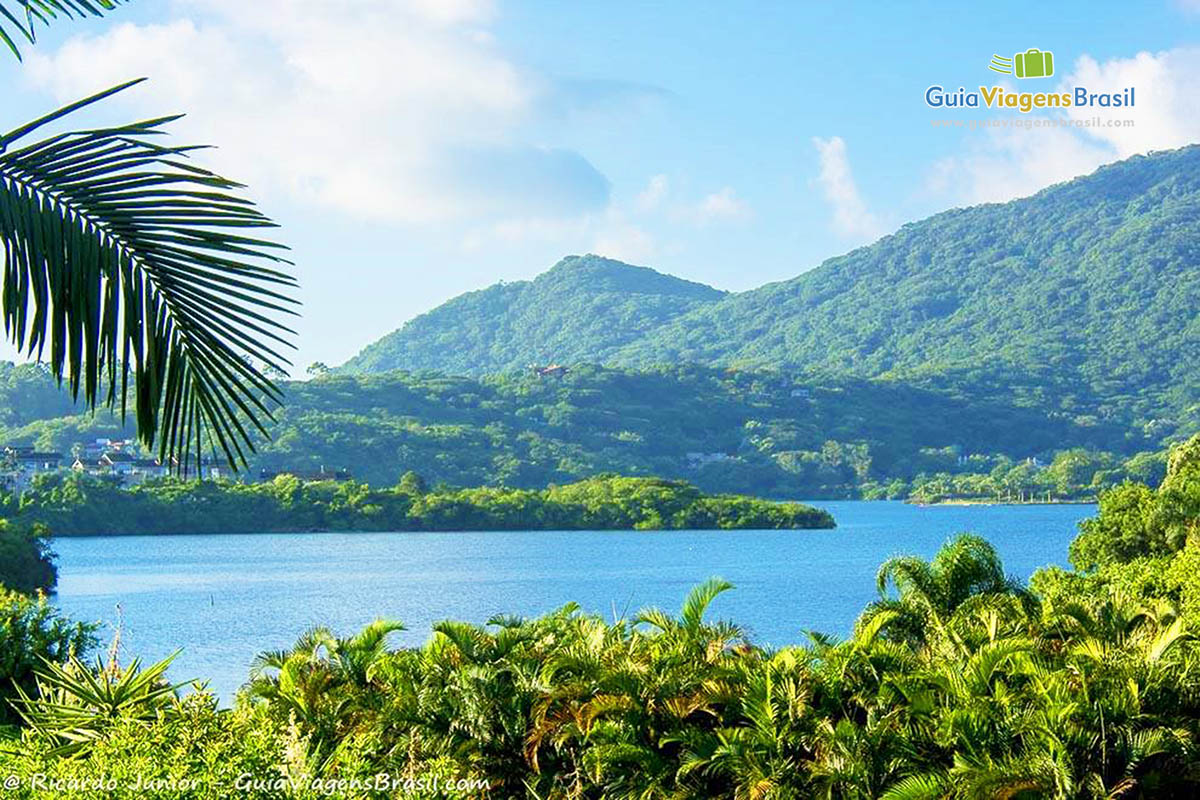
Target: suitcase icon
[[1034, 63]]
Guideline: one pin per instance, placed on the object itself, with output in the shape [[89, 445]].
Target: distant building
[[116, 463], [321, 474], [549, 371], [697, 460], [22, 464]]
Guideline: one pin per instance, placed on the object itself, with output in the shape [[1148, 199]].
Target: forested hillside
[[760, 432], [583, 309], [1083, 297]]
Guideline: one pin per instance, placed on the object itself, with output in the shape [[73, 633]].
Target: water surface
[[225, 598]]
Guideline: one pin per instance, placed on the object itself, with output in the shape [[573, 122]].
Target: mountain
[[1086, 294], [585, 308]]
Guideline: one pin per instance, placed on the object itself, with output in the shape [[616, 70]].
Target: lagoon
[[224, 598]]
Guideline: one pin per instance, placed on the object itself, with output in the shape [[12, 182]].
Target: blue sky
[[416, 149]]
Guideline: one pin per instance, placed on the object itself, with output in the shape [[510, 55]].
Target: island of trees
[[77, 504]]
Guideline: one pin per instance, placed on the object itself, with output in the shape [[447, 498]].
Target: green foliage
[[759, 432], [77, 504], [195, 751], [19, 18], [139, 273], [75, 704], [26, 561], [1008, 301], [1137, 521], [583, 309], [957, 683], [32, 634]]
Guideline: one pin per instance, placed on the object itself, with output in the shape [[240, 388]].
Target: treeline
[[958, 682], [1077, 474], [760, 432], [79, 504]]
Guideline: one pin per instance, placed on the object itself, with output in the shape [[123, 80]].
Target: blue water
[[226, 598]]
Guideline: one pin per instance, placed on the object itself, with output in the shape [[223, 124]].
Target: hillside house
[[321, 474], [549, 371], [697, 460], [21, 464]]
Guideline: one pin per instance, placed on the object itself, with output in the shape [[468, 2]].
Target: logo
[[1033, 63]]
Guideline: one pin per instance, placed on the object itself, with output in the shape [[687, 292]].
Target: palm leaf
[[19, 18], [699, 599], [131, 265]]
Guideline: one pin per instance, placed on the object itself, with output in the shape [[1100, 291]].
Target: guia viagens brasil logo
[[1033, 63]]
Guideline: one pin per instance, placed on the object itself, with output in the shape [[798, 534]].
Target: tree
[[26, 562], [317, 369], [929, 592], [32, 633], [135, 270]]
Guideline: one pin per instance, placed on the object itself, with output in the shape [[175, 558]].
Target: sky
[[415, 149]]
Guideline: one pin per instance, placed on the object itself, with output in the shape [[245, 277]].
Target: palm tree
[[966, 571], [134, 271]]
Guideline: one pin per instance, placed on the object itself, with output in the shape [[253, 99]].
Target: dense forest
[[761, 432], [83, 504], [583, 309], [958, 682], [1082, 297]]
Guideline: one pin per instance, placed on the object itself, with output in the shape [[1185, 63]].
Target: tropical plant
[[76, 702], [33, 632], [42, 11], [134, 269]]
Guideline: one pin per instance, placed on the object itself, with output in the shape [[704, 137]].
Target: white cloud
[[400, 111], [724, 204], [850, 215], [610, 233], [626, 242], [653, 195], [1003, 163]]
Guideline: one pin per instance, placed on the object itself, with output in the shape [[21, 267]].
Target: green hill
[[760, 432], [1083, 298], [584, 309]]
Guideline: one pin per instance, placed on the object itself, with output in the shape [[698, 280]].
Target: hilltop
[[1083, 297], [585, 308]]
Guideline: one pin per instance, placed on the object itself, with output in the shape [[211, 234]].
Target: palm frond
[[131, 265], [20, 18], [699, 599]]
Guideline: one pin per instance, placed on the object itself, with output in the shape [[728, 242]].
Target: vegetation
[[136, 273], [958, 682], [758, 432], [1077, 474], [1094, 277], [585, 308], [32, 635], [80, 504], [26, 562]]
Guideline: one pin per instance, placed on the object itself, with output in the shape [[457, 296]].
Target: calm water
[[225, 598]]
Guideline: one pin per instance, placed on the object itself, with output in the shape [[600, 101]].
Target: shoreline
[[967, 501]]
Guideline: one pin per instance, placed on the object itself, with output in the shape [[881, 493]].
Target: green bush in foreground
[[32, 633]]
